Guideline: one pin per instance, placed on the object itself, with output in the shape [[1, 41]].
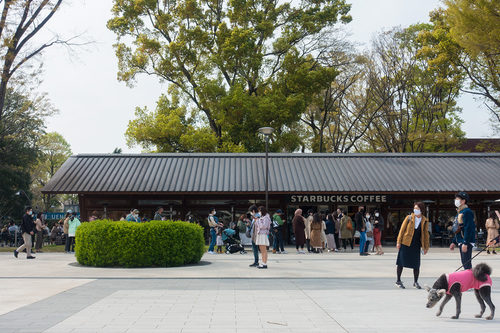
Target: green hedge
[[106, 243]]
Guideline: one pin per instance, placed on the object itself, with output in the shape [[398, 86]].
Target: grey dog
[[452, 285]]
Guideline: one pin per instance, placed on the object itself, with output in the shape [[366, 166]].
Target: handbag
[[369, 233]]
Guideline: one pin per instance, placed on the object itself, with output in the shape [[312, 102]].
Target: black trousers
[[466, 256]]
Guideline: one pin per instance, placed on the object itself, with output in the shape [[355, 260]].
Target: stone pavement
[[329, 292]]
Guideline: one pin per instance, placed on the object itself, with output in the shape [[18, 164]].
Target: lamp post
[[24, 193], [267, 132]]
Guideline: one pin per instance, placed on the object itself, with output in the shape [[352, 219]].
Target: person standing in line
[[253, 210], [65, 231], [27, 226], [299, 227], [378, 228], [323, 231], [369, 234], [316, 226], [308, 222], [39, 225], [262, 239], [74, 223], [278, 246], [330, 233], [361, 228], [134, 216], [413, 239], [465, 230], [492, 228], [213, 223], [345, 232], [158, 213], [336, 219], [94, 217]]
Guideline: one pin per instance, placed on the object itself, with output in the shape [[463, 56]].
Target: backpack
[[349, 225]]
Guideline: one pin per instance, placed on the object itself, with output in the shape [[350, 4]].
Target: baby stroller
[[232, 245]]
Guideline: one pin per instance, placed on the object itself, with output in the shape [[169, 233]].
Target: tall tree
[[54, 151], [235, 65], [419, 111], [468, 32], [20, 131], [20, 22]]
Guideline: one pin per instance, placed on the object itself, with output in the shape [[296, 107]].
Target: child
[[219, 243]]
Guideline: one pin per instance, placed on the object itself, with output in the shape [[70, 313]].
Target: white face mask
[[417, 211], [458, 202], [367, 216], [215, 212], [377, 214]]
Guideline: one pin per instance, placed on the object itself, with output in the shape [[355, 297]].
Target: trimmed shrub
[[105, 243]]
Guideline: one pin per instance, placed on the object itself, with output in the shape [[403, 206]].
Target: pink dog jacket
[[466, 280]]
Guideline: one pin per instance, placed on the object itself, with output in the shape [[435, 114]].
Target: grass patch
[[51, 248]]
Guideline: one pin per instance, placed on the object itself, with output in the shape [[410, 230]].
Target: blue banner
[[56, 216]]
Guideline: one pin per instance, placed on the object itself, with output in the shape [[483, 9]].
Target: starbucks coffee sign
[[339, 199]]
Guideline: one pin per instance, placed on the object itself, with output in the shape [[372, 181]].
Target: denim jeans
[[362, 241], [466, 256], [213, 238], [278, 240], [255, 250]]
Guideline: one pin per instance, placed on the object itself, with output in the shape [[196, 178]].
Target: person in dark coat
[[28, 226], [299, 227], [465, 230]]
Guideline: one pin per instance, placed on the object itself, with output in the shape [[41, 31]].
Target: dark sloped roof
[[161, 173]]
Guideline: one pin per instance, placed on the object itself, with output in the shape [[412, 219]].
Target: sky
[[95, 108]]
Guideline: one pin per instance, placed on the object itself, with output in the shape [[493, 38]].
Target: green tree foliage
[[468, 32], [21, 128], [54, 151], [232, 67], [419, 112]]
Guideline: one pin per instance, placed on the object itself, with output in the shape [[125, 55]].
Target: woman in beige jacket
[[492, 229], [413, 237]]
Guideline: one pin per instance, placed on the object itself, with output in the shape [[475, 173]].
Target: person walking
[[39, 226], [336, 219], [378, 228], [74, 223], [413, 237], [278, 246], [262, 239], [299, 227], [65, 231], [213, 223], [27, 226], [359, 221], [346, 231], [464, 228], [492, 228], [316, 226]]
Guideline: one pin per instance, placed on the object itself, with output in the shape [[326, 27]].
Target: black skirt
[[409, 256]]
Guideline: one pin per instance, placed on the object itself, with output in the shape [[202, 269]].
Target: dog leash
[[472, 258]]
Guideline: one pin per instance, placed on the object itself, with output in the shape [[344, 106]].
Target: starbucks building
[[188, 185]]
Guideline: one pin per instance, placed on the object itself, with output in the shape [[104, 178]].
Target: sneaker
[[400, 285], [209, 252], [30, 257], [274, 251], [488, 251], [262, 267], [299, 252], [303, 252], [416, 286], [284, 252], [278, 252], [336, 250], [494, 252], [16, 253], [255, 264]]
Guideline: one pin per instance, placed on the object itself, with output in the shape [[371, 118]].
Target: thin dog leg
[[458, 299], [485, 293], [443, 303], [481, 303]]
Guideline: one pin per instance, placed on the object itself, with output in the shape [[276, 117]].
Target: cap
[[279, 211], [69, 211], [462, 195], [135, 211]]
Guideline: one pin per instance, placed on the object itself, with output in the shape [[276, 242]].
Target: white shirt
[[417, 222]]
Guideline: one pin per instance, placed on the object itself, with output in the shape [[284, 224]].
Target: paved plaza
[[329, 292]]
